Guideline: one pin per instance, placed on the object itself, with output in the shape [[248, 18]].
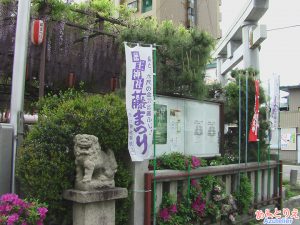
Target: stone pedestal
[[293, 177], [94, 207]]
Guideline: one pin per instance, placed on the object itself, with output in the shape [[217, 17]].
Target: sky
[[280, 52]]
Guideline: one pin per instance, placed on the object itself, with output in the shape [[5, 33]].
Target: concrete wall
[[294, 100], [208, 14], [175, 10], [290, 119], [286, 156]]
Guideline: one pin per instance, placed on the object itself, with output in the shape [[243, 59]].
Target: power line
[[282, 28]]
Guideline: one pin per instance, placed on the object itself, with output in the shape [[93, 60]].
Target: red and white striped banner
[[253, 133]]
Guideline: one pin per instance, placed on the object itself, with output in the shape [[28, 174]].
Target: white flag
[[274, 101], [139, 101]]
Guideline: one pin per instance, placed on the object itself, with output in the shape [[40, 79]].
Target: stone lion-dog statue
[[95, 169]]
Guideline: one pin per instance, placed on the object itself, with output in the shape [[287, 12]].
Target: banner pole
[[154, 134], [246, 133], [258, 170], [269, 138], [240, 126], [279, 139], [258, 156], [189, 182]]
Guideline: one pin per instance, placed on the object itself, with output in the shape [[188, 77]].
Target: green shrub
[[176, 161], [181, 60], [244, 195], [45, 165], [231, 115]]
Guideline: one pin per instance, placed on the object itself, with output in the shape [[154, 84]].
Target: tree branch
[[89, 13]]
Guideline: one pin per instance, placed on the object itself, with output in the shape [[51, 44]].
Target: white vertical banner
[[274, 109], [139, 101], [275, 101]]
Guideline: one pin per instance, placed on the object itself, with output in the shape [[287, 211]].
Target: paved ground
[[286, 176], [296, 222], [287, 169]]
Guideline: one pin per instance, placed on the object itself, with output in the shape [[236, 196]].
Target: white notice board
[[187, 126], [288, 139], [202, 128]]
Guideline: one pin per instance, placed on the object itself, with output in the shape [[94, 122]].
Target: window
[[133, 5], [299, 109], [146, 5], [191, 14]]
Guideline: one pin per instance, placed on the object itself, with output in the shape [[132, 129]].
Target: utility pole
[[18, 79]]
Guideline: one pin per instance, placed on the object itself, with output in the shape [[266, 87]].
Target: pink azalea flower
[[198, 205], [195, 162], [8, 208], [9, 197], [42, 211], [39, 222], [2, 208], [164, 214], [187, 163], [18, 202], [12, 219], [173, 208], [194, 183]]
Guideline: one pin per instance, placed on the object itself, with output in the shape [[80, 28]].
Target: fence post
[[259, 186], [252, 180], [272, 182], [148, 198], [159, 195], [280, 185], [265, 184], [173, 189], [228, 184]]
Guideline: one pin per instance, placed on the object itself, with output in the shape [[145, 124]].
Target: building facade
[[290, 126], [202, 14]]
